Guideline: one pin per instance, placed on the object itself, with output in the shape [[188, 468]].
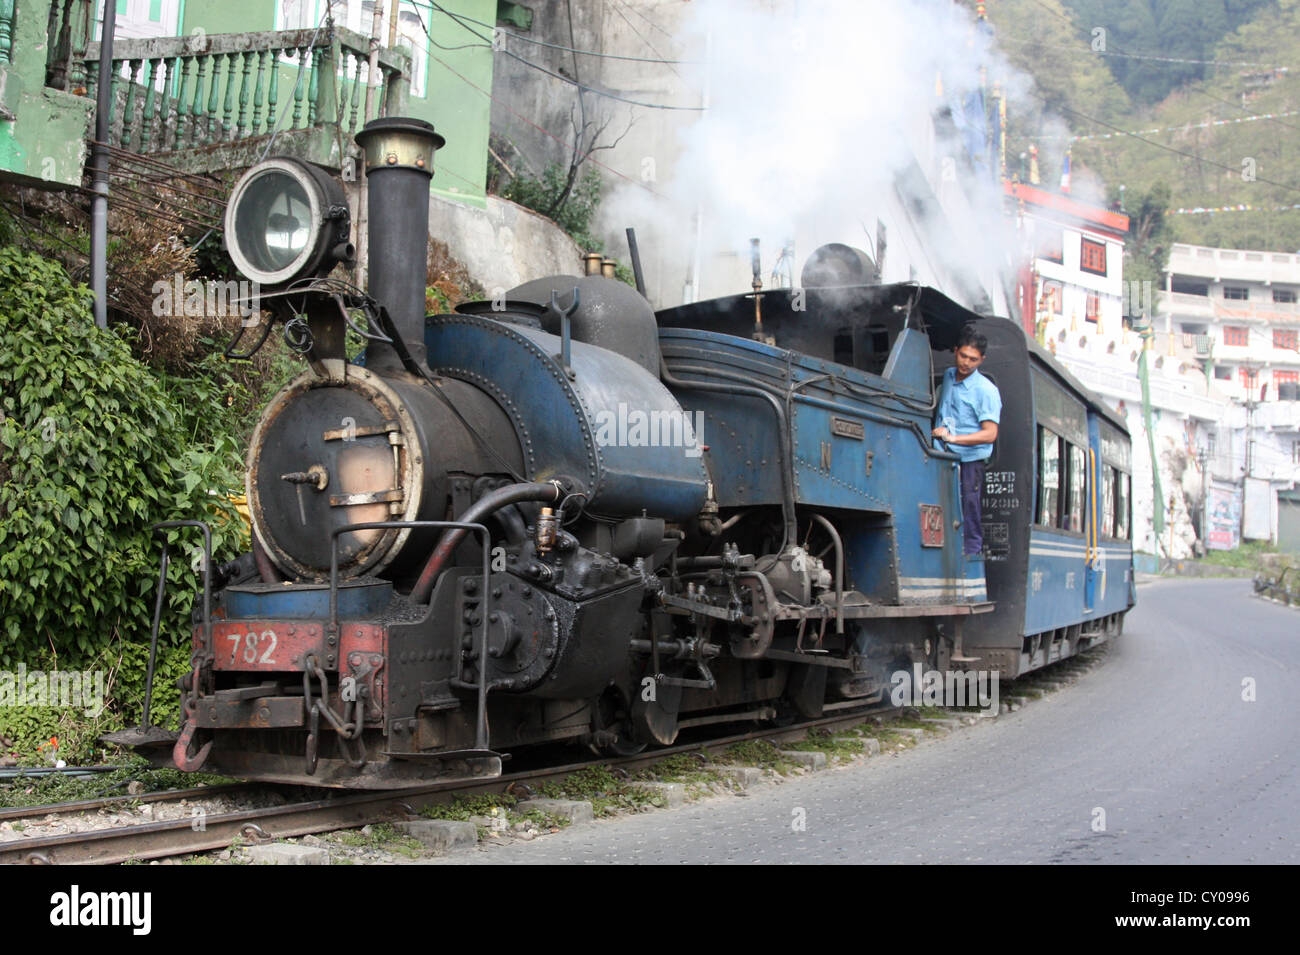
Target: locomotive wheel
[[614, 720], [785, 713]]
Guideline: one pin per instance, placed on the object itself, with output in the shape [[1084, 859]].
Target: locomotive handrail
[[876, 416], [158, 602], [480, 729]]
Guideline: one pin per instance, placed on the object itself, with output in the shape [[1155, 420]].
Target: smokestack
[[399, 164]]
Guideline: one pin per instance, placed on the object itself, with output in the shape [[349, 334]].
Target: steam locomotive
[[563, 516]]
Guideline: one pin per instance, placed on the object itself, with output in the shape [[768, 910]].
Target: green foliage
[[93, 450], [1041, 38], [1249, 556], [55, 787], [608, 790], [463, 806], [572, 206], [756, 752], [1205, 165], [1183, 31], [836, 748], [1150, 235]]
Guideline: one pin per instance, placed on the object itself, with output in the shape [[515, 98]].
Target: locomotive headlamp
[[287, 220]]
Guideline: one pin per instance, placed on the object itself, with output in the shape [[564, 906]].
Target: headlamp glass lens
[[273, 224]]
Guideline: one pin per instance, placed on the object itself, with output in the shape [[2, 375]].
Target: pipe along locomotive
[[561, 516]]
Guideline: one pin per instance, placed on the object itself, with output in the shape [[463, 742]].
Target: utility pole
[[1203, 456], [1250, 443], [1170, 548], [99, 169]]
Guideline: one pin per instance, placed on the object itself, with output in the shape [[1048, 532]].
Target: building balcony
[[201, 102], [1209, 309], [213, 101], [1235, 265]]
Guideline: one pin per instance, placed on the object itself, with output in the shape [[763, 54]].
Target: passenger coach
[[1057, 512]]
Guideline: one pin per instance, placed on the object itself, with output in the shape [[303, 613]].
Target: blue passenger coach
[[1056, 509]]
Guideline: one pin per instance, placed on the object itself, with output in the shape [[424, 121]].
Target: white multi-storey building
[[1223, 370]]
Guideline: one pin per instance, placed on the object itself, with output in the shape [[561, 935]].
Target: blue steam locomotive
[[562, 516]]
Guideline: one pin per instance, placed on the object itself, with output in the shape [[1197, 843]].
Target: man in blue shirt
[[967, 423]]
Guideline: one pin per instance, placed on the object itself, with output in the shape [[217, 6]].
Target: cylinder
[[399, 164], [607, 268], [593, 262]]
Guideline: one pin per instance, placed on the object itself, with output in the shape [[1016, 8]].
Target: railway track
[[155, 840], [19, 813]]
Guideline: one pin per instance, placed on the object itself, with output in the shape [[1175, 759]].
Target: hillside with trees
[[1199, 96]]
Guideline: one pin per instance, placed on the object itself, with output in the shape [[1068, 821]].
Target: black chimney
[[399, 164]]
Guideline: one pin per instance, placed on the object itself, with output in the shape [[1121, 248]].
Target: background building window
[[1249, 378], [1092, 257], [1236, 335], [1092, 308], [1222, 373], [1236, 293], [1285, 296], [1051, 246], [1189, 287], [1052, 298], [1284, 338], [1286, 377]]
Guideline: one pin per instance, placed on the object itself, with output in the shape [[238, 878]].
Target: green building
[[208, 84]]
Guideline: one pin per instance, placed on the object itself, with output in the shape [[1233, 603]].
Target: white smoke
[[813, 111]]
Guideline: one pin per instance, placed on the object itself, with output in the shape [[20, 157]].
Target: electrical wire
[[600, 92], [546, 132], [642, 37], [596, 53], [1152, 142], [457, 18], [1120, 52]]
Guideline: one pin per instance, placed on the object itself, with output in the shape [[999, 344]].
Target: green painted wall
[[459, 111], [457, 100], [45, 142]]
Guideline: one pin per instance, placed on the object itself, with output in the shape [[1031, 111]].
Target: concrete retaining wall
[[503, 245]]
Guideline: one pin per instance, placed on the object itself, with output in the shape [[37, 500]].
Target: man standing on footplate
[[967, 422]]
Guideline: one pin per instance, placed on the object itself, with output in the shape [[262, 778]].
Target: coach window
[[1122, 487], [1049, 478], [1076, 488], [1107, 502]]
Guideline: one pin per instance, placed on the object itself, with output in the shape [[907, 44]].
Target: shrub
[[93, 450]]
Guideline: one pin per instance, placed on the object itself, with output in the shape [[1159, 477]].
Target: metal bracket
[[564, 313]]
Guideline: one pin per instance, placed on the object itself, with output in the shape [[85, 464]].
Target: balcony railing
[[183, 92], [207, 91]]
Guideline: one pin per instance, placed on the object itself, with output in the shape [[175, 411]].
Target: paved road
[[1158, 736]]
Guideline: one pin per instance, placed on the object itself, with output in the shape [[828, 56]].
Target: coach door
[[1094, 557]]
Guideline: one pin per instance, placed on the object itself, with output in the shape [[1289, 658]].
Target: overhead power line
[[458, 18], [1170, 149]]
